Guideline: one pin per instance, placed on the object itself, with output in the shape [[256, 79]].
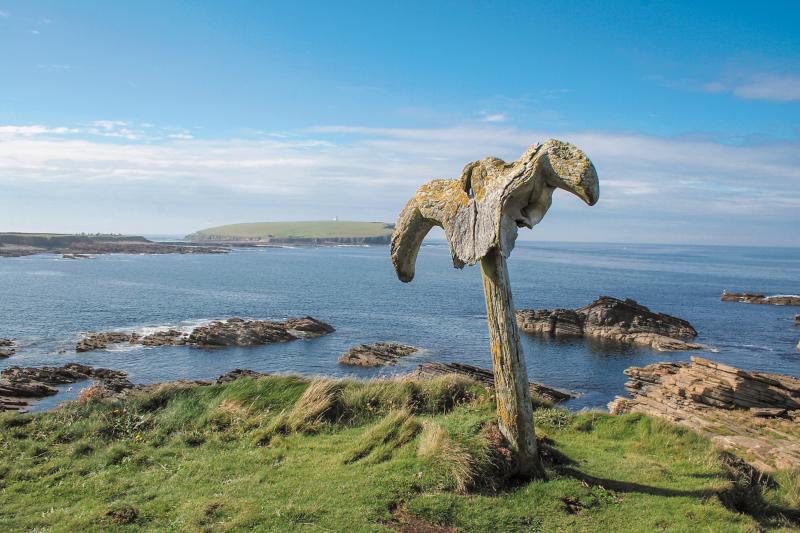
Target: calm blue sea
[[46, 302]]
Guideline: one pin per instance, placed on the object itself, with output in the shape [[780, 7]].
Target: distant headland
[[316, 232]]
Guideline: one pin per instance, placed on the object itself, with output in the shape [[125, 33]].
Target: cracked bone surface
[[480, 214], [484, 207]]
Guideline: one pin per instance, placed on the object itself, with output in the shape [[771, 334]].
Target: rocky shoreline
[[376, 354], [752, 298], [230, 332], [83, 246], [755, 414], [610, 318], [20, 385]]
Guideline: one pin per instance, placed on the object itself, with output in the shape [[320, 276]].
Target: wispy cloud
[[771, 87], [11, 132], [53, 67], [642, 177], [493, 117], [3, 14]]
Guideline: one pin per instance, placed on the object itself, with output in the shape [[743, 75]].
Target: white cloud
[[3, 14], [493, 117], [771, 87], [54, 67], [645, 178], [35, 129], [182, 135]]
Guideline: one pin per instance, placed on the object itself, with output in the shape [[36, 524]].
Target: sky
[[165, 117]]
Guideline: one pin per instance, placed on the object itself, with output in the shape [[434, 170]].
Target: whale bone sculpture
[[480, 214]]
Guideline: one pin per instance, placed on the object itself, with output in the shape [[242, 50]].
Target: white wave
[[124, 347], [54, 273]]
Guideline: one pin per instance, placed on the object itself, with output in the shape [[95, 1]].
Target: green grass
[[287, 454], [324, 229]]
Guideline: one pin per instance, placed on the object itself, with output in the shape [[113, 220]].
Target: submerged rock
[[485, 377], [614, 319], [7, 348], [753, 412], [20, 384], [752, 298], [376, 354], [231, 332]]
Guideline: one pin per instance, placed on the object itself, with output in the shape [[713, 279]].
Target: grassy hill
[[288, 454], [299, 231]]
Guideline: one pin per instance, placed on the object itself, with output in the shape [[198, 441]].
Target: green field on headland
[[288, 454], [322, 230]]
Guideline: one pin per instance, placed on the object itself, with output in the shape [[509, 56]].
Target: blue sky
[[166, 117]]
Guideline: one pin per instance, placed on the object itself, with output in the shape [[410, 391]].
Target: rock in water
[[19, 384], [751, 298], [238, 332], [610, 318], [231, 332], [485, 377], [376, 354], [7, 348], [753, 412]]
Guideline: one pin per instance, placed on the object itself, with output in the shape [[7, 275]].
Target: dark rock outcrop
[[376, 354], [231, 332], [755, 413], [485, 377], [18, 385], [752, 298], [238, 373], [614, 319], [238, 332], [7, 348]]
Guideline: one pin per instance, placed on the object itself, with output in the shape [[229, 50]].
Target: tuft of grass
[[381, 440], [459, 466], [320, 404]]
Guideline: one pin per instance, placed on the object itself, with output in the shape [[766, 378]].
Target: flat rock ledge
[[610, 318], [753, 414], [231, 332], [7, 348], [376, 354], [486, 378], [752, 298], [20, 385]]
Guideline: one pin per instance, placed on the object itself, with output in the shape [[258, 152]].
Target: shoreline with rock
[[376, 354], [85, 246], [609, 318], [755, 414]]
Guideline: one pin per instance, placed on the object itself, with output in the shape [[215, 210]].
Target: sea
[[46, 303]]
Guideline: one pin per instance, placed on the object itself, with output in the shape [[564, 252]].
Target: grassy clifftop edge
[[283, 453]]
